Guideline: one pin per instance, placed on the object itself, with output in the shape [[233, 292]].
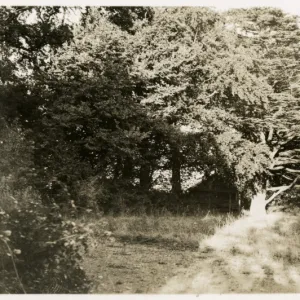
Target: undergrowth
[[40, 251], [162, 228]]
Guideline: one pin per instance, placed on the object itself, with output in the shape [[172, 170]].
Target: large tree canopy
[[132, 91], [275, 36]]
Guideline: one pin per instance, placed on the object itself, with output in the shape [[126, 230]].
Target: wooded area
[[90, 111]]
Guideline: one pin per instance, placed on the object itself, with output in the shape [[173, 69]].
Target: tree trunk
[[176, 165], [145, 176], [258, 205], [127, 172]]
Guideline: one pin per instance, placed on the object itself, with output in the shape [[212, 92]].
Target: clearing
[[152, 255], [144, 252], [246, 256]]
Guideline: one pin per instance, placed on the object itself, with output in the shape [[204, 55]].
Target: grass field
[[201, 254], [141, 253], [247, 256]]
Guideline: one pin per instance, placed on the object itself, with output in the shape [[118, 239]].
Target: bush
[[41, 252]]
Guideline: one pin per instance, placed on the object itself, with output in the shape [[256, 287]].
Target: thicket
[[40, 249]]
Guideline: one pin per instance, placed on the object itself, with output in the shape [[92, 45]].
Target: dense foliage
[[95, 113], [40, 250]]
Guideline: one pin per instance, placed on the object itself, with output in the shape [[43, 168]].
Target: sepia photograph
[[150, 150]]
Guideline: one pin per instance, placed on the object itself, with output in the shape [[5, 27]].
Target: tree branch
[[212, 94], [281, 190], [274, 152], [287, 141], [270, 136], [292, 171], [14, 265], [286, 161], [263, 138], [276, 168], [288, 178], [275, 188]]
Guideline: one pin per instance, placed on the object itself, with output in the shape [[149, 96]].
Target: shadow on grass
[[166, 243]]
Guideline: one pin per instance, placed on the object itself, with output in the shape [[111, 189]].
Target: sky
[[289, 6]]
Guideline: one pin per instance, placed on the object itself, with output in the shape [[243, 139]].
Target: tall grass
[[162, 228]]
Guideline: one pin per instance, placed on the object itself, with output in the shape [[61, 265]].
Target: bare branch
[[270, 136], [288, 178], [262, 137], [276, 168], [212, 94], [292, 171], [287, 141], [275, 188], [286, 162], [281, 190], [290, 153], [278, 112], [64, 16], [14, 265], [274, 152]]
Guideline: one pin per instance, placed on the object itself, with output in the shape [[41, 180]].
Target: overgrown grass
[[169, 230], [255, 255], [246, 255], [139, 252]]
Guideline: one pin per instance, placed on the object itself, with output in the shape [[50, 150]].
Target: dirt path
[[246, 256], [133, 267]]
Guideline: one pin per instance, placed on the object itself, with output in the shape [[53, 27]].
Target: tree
[[28, 37], [124, 17], [198, 74], [110, 98], [91, 105], [275, 35]]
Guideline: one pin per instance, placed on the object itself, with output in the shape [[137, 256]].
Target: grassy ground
[[141, 253], [203, 254], [248, 256]]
